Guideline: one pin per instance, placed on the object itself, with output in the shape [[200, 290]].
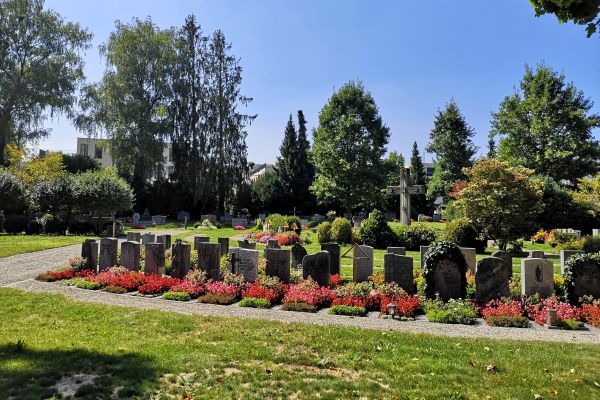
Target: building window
[[98, 152], [430, 171], [83, 149]]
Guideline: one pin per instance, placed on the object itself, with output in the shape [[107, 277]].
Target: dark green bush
[[508, 321], [302, 307], [177, 296], [569, 324], [88, 285], [452, 312], [324, 232], [375, 231], [15, 223], [217, 298], [255, 302], [461, 232], [348, 310], [414, 236], [591, 244], [341, 231], [312, 224]]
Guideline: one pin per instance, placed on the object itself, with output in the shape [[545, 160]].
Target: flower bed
[[452, 312], [224, 292], [119, 277], [194, 284], [537, 309], [505, 312], [357, 295], [268, 288], [68, 273], [155, 284], [307, 296], [406, 305]]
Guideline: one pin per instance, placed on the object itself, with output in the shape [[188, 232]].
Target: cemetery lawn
[[136, 353], [19, 244]]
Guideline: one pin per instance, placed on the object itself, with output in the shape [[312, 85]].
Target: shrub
[[414, 236], [406, 305], [155, 284], [591, 244], [574, 262], [537, 309], [281, 221], [114, 289], [569, 324], [438, 251], [255, 302], [309, 292], [177, 296], [299, 306], [15, 224], [341, 231], [555, 237], [89, 285], [461, 232], [508, 321], [324, 232], [287, 238], [312, 224], [217, 298], [269, 288], [350, 311], [375, 231], [453, 312]]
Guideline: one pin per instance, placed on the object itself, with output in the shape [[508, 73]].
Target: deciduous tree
[[581, 12]]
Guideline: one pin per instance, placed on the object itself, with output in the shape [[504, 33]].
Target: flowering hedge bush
[[406, 305], [68, 273], [536, 309], [154, 284], [591, 313], [505, 312], [357, 295], [268, 288], [309, 292]]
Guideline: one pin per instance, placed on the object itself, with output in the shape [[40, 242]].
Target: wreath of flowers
[[572, 263], [443, 250]]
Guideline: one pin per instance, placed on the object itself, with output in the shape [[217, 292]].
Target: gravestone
[[148, 238], [278, 264], [298, 253], [400, 251], [317, 267], [362, 263], [159, 220], [136, 219], [181, 254], [246, 244], [183, 216], [108, 253], [164, 239], [211, 217], [356, 221], [595, 232], [89, 251], [448, 280], [239, 222], [244, 262], [399, 268], [536, 254], [224, 243], [134, 237], [423, 250], [470, 257], [154, 261], [273, 244], [200, 239], [565, 255], [491, 279], [507, 258], [537, 276], [303, 222], [130, 255], [334, 256], [209, 259], [586, 280]]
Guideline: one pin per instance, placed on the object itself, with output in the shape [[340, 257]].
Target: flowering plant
[[268, 288], [590, 310], [264, 239], [536, 309], [540, 236], [239, 228], [194, 284], [222, 288], [130, 280], [287, 238], [503, 308], [155, 284], [335, 280], [406, 304], [77, 263], [68, 273], [309, 292], [357, 295]]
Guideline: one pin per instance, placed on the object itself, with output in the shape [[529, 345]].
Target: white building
[[98, 150], [259, 170]]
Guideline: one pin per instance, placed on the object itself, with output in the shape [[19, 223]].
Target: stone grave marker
[[130, 255], [246, 244], [108, 253], [400, 251], [423, 250], [507, 258], [154, 262], [595, 232], [448, 280], [89, 251], [334, 255], [148, 238], [181, 254], [211, 217], [209, 260], [224, 242], [399, 268], [537, 276], [565, 255], [273, 244], [239, 222], [317, 267], [362, 263], [200, 239], [134, 237], [183, 216], [244, 262], [278, 264], [136, 219], [491, 279], [298, 253], [470, 257], [159, 220], [536, 254], [164, 239], [585, 280]]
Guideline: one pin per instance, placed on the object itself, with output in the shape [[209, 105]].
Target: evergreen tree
[[491, 146], [450, 141], [286, 162], [393, 163], [418, 176], [304, 169]]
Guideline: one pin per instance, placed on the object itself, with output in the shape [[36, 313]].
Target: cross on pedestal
[[404, 190]]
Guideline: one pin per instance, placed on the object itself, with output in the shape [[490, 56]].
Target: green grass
[[162, 355], [12, 245]]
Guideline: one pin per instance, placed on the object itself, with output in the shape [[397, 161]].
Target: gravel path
[[18, 272]]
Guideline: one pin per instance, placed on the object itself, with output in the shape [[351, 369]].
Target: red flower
[[155, 284]]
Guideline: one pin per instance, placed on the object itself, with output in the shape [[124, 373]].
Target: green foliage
[[350, 311], [300, 307], [375, 231], [418, 176], [547, 126], [563, 237], [575, 262], [40, 69], [89, 285], [341, 230], [450, 141], [281, 221], [578, 12], [588, 195], [453, 312], [266, 192], [305, 171], [177, 296], [393, 164], [223, 299], [114, 289], [414, 236], [102, 192], [461, 232], [452, 212], [75, 163], [508, 321], [255, 302], [502, 202], [12, 192], [324, 232], [348, 147], [286, 163], [443, 251], [569, 324], [54, 195]]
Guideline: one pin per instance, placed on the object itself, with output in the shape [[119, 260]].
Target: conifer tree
[[304, 168], [418, 176], [286, 162]]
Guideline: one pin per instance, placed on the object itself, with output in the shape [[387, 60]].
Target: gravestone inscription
[[491, 279], [537, 276], [399, 268], [278, 264], [244, 262], [317, 267]]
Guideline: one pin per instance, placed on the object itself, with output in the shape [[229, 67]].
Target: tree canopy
[[580, 12]]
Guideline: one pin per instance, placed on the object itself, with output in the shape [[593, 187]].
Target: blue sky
[[413, 57]]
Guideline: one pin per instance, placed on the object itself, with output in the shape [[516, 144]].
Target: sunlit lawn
[[12, 245]]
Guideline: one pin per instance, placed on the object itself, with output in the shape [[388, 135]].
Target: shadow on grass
[[32, 374]]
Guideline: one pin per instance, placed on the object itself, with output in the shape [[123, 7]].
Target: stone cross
[[404, 190]]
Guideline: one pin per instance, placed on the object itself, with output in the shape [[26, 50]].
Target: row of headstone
[[469, 253], [398, 268]]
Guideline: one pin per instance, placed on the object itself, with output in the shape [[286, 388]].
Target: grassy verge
[[12, 245], [136, 353]]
